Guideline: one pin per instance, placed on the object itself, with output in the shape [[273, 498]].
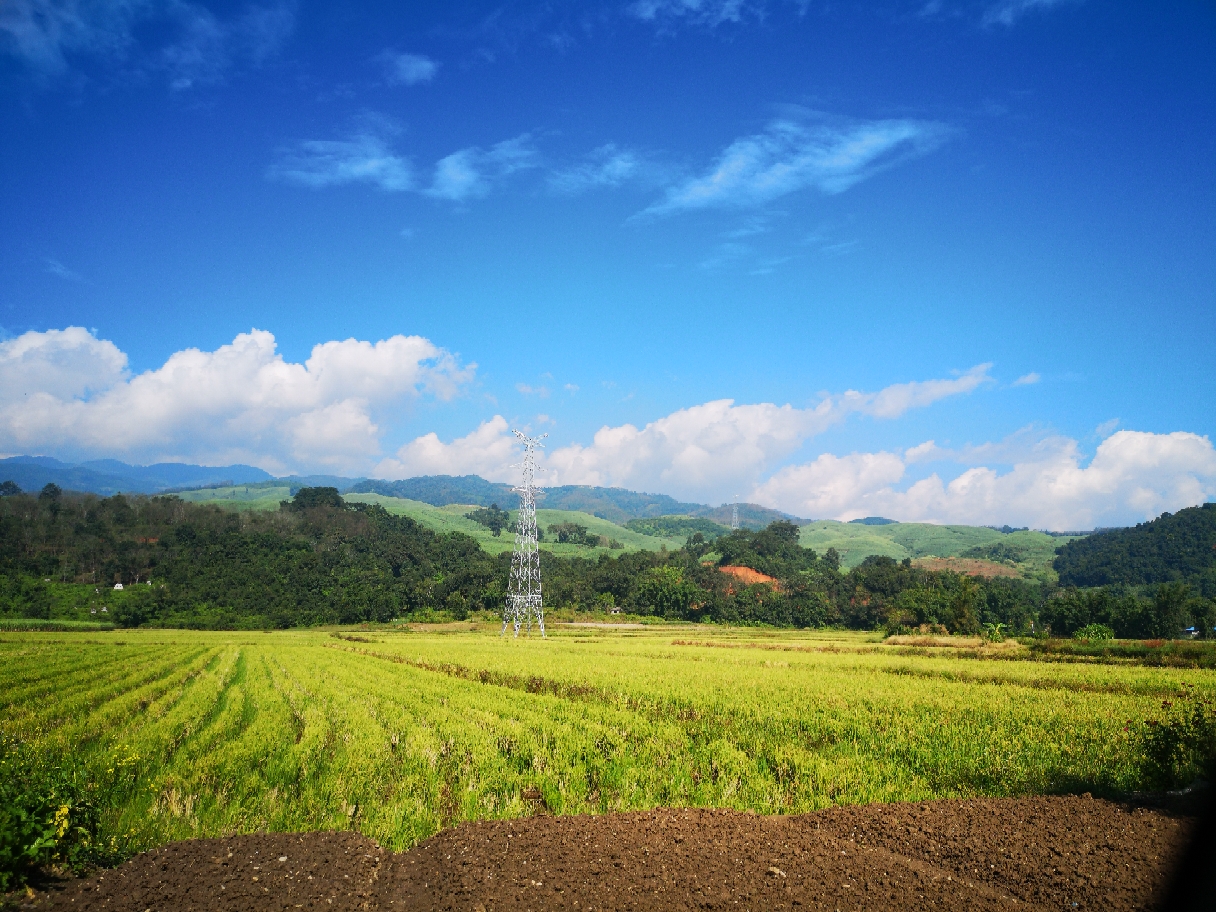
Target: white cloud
[[702, 452], [1007, 12], [368, 157], [1133, 476], [471, 172], [182, 40], [801, 151], [68, 392], [928, 451], [609, 166], [1027, 379], [894, 400], [528, 390], [704, 12], [488, 451], [407, 69], [54, 267], [363, 159], [60, 363]]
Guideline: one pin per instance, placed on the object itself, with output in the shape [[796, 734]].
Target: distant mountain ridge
[[109, 476]]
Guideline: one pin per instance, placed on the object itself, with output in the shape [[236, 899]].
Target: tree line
[[319, 560]]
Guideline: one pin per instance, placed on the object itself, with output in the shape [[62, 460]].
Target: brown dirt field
[[968, 565], [1029, 853], [748, 576]]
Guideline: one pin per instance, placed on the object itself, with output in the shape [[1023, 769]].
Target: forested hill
[[614, 504], [1179, 547]]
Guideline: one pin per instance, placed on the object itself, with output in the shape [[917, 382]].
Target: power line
[[523, 593]]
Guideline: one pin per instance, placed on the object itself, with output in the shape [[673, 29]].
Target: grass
[[240, 497], [451, 518], [402, 731], [855, 542], [57, 624]]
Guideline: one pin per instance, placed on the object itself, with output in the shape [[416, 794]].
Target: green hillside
[[1171, 548], [1029, 552], [241, 497], [451, 518]]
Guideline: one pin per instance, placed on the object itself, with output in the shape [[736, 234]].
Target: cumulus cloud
[[800, 151], [184, 41], [471, 172], [68, 392], [488, 451], [1132, 476], [701, 451], [407, 69]]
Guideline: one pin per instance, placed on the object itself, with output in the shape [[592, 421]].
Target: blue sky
[[599, 220]]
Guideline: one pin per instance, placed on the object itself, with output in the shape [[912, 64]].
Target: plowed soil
[[1034, 853]]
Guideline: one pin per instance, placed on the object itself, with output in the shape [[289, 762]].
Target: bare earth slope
[[1029, 853]]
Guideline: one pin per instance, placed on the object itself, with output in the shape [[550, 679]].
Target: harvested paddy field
[[1029, 853]]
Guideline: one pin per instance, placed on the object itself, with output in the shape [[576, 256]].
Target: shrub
[[50, 814], [1094, 632], [1181, 747]]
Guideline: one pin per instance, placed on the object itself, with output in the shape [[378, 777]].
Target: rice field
[[399, 733]]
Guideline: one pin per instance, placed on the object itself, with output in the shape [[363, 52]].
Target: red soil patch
[[750, 577], [967, 565], [1030, 853]]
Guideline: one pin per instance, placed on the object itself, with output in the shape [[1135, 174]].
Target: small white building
[[118, 586]]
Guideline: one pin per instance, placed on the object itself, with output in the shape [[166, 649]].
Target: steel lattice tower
[[734, 514], [523, 593]]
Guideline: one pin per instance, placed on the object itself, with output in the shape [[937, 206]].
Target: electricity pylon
[[523, 593], [734, 514]]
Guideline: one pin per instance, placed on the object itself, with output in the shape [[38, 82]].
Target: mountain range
[[109, 476]]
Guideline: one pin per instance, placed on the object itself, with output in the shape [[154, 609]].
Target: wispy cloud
[[407, 69], [703, 12], [471, 172], [54, 267], [1007, 12], [368, 157], [1027, 379], [801, 151], [527, 390], [365, 158], [608, 166], [184, 41]]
